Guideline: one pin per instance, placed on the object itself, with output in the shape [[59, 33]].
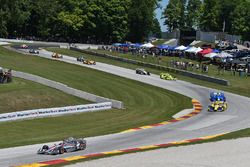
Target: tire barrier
[[160, 67], [64, 88]]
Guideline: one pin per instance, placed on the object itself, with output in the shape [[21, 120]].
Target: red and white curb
[[197, 109], [116, 152]]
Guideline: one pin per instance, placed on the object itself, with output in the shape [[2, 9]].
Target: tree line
[[92, 21], [231, 16]]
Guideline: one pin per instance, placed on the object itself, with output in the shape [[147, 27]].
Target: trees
[[193, 14], [174, 14], [156, 28], [79, 20], [209, 20], [140, 19], [241, 22]]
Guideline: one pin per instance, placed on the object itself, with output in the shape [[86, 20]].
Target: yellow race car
[[167, 76], [56, 55], [217, 106], [89, 62]]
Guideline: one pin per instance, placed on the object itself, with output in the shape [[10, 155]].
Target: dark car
[[141, 71], [81, 59], [68, 145]]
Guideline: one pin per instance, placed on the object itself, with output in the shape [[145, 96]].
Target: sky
[[159, 12]]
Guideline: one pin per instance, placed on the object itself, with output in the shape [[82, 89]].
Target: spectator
[[197, 67]]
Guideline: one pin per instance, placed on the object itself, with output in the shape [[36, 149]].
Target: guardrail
[[64, 88], [169, 69]]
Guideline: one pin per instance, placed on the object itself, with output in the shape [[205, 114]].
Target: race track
[[206, 123]]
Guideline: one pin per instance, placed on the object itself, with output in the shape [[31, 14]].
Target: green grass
[[24, 95], [144, 104], [238, 85]]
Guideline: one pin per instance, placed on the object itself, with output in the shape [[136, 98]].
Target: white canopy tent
[[198, 50], [224, 55], [181, 47], [211, 55], [147, 45], [192, 49]]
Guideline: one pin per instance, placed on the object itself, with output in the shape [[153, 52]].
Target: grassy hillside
[[144, 104]]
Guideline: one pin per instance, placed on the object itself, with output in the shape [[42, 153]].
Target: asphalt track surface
[[206, 123]]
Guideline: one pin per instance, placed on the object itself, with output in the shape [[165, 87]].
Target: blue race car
[[217, 96]]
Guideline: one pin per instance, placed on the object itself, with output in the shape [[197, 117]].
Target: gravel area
[[227, 153]]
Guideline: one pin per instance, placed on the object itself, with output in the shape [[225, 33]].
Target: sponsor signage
[[36, 113]]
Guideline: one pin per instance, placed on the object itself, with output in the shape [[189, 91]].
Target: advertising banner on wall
[[37, 113]]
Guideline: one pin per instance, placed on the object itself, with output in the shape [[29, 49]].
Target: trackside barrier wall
[[37, 113], [169, 69], [68, 90]]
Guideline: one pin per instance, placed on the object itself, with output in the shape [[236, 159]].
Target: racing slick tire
[[45, 147], [82, 146], [61, 150]]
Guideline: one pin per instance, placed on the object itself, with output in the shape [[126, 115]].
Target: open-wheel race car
[[89, 62], [167, 76], [56, 55], [68, 145], [24, 46], [80, 59], [34, 51], [218, 102], [141, 71]]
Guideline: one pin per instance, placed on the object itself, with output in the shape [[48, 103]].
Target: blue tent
[[116, 44], [216, 51], [137, 45], [172, 47], [125, 45], [163, 46]]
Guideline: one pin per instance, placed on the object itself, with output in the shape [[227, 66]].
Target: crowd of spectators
[[202, 63]]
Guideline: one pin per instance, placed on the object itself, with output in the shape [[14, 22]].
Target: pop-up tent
[[198, 50], [163, 46], [224, 55], [147, 45], [181, 47], [117, 44], [206, 51], [191, 49], [211, 55]]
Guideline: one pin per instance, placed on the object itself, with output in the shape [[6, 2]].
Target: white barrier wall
[[37, 113], [64, 88]]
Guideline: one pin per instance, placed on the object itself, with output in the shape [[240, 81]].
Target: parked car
[[68, 145], [141, 71]]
